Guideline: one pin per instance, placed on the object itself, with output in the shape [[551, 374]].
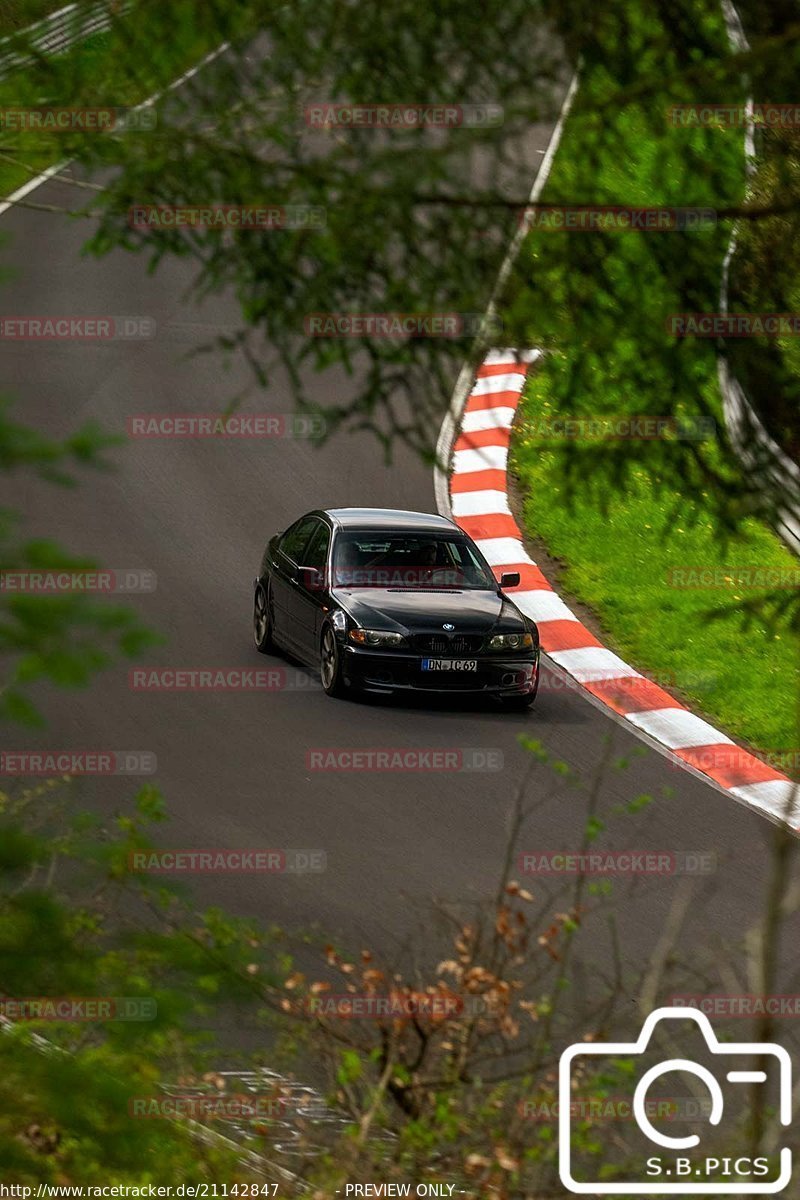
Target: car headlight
[[511, 641], [375, 637]]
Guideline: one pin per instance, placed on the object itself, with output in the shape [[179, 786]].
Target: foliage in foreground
[[456, 1082]]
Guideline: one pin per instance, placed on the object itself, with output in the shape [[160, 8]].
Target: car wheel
[[330, 663], [262, 622]]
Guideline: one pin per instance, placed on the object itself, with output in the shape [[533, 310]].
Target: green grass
[[599, 302], [618, 562]]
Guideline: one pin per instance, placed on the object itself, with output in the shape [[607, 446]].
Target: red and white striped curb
[[479, 503]]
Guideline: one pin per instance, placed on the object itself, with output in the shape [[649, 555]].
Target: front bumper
[[384, 672]]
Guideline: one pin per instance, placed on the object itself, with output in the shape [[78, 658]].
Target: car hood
[[468, 611]]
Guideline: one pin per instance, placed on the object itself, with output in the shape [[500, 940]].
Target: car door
[[287, 558], [311, 590]]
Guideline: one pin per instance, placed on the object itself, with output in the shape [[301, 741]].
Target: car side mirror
[[509, 579], [311, 578]]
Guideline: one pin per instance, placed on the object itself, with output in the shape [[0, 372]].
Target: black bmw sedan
[[383, 601]]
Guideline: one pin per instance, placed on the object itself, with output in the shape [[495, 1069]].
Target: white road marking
[[495, 357], [677, 728], [31, 186], [543, 605], [486, 458], [501, 551], [487, 418], [26, 189], [498, 383], [781, 797], [592, 663], [477, 504]]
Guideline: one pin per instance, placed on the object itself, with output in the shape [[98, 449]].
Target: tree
[[397, 220], [109, 979], [456, 1079]]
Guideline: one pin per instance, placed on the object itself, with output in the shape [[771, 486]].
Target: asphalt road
[[233, 765]]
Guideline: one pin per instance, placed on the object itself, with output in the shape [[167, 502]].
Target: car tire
[[262, 622], [330, 663]]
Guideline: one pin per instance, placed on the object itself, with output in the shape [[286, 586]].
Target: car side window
[[316, 552], [293, 542]]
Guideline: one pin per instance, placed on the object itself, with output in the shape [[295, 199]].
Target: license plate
[[449, 664]]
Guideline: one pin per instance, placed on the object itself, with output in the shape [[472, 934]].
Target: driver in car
[[428, 557]]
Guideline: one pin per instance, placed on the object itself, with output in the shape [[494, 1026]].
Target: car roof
[[395, 519]]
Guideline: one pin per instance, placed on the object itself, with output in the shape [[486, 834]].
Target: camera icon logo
[[673, 1171]]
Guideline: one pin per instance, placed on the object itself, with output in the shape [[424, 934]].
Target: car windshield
[[408, 562]]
